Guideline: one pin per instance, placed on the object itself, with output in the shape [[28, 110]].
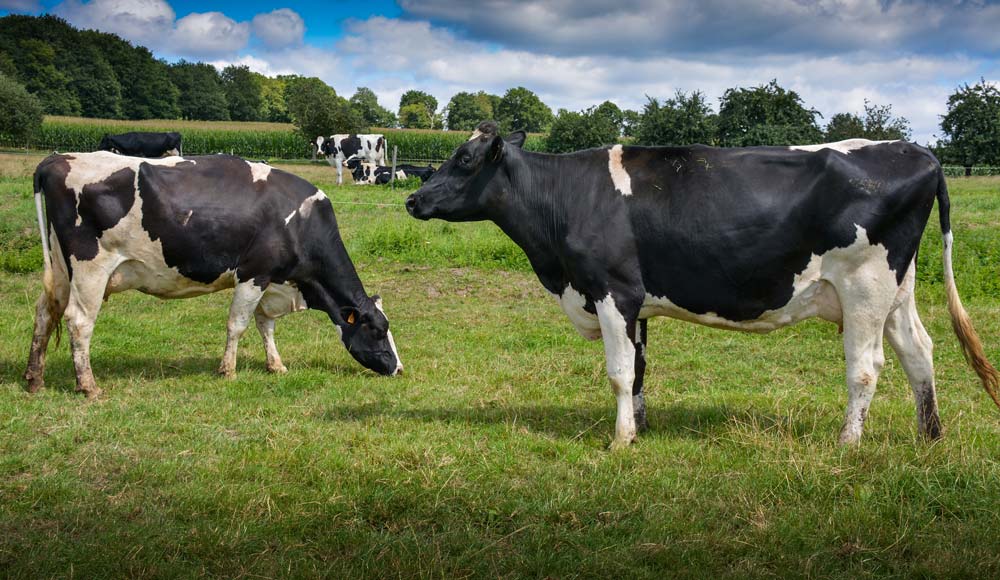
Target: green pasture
[[488, 457]]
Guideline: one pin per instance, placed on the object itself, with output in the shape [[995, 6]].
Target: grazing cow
[[339, 148], [181, 227], [748, 239], [142, 144], [368, 173]]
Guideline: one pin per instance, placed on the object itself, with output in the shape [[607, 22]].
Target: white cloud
[[280, 28], [144, 21], [209, 33], [414, 54]]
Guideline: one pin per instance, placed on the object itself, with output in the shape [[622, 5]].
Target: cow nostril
[[411, 202]]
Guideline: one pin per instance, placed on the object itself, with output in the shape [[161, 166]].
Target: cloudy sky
[[576, 53]]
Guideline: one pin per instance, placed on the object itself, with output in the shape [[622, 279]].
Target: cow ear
[[350, 315], [496, 149], [517, 138]]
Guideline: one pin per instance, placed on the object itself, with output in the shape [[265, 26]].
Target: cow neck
[[337, 276], [528, 207]]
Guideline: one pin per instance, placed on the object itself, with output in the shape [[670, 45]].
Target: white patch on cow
[[187, 217], [260, 171], [813, 289], [281, 299], [475, 135], [572, 303], [90, 168], [172, 153], [620, 177], [290, 216], [307, 204], [392, 342], [845, 146]]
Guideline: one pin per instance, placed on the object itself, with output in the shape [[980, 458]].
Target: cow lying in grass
[[749, 239], [369, 173], [180, 227]]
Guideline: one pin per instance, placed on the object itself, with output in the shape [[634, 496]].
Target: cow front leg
[[265, 325], [245, 299], [619, 354], [340, 170], [638, 395]]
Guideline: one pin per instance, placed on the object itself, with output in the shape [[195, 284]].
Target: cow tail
[[48, 278], [972, 347]]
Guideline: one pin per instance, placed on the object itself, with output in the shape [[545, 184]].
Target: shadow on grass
[[707, 421]]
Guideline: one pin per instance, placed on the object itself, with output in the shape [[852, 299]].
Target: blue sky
[[576, 53]]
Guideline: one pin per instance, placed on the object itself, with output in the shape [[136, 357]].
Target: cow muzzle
[[415, 208]]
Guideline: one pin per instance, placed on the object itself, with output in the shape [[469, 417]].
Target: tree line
[[47, 66]]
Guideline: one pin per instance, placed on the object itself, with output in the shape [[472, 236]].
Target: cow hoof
[[621, 444], [35, 383], [849, 438], [92, 393], [278, 369], [226, 373], [641, 424]]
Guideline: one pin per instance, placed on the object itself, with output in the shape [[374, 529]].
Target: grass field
[[488, 457]]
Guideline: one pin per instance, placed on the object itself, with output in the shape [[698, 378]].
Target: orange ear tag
[[350, 318]]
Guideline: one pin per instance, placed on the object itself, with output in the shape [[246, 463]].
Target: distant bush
[[978, 171], [20, 111]]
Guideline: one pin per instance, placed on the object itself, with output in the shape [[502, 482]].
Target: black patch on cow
[[350, 145], [101, 206], [378, 144]]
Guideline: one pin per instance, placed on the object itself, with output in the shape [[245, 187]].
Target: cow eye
[[466, 159]]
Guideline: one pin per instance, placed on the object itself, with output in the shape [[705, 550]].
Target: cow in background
[[369, 173], [339, 148], [142, 144]]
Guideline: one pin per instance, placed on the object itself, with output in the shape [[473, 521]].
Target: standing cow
[[339, 148], [748, 239], [142, 144], [181, 227]]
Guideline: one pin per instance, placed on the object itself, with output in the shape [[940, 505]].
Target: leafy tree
[[20, 111], [520, 108], [243, 93], [574, 131], [413, 96], [415, 116], [272, 99], [878, 125], [365, 103], [612, 113], [146, 88], [316, 109], [685, 119], [42, 78], [201, 95], [766, 115], [95, 84], [7, 65], [467, 110], [844, 126], [630, 122], [972, 125]]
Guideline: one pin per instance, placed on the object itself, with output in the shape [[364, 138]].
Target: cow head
[[365, 332], [360, 171], [460, 189], [106, 144]]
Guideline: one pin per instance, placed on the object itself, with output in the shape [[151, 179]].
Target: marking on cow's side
[[86, 171], [260, 171], [307, 204], [845, 146], [187, 217], [290, 216], [620, 177], [813, 293]]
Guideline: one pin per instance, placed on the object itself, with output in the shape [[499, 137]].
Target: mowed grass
[[487, 458]]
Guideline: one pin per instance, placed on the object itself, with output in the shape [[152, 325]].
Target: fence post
[[392, 179]]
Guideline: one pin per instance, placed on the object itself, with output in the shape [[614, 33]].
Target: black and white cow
[[142, 144], [339, 148], [369, 173], [748, 239], [180, 227]]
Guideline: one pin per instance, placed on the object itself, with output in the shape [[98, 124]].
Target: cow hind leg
[[245, 299], [86, 296], [619, 351], [265, 325], [865, 313], [49, 310], [638, 395], [913, 346]]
